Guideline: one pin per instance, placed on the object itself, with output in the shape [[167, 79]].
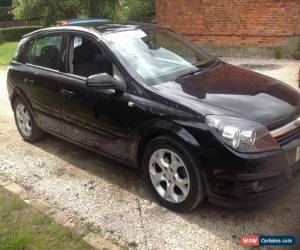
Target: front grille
[[264, 184], [286, 138]]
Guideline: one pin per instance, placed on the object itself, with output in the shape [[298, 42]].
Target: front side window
[[86, 58], [156, 55], [45, 51]]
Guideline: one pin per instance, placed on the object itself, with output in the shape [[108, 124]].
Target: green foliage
[[51, 11], [16, 33], [136, 10], [5, 14], [27, 9], [5, 3], [278, 52], [48, 11], [100, 8], [123, 10]]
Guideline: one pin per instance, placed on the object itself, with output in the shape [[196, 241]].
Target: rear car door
[[43, 78]]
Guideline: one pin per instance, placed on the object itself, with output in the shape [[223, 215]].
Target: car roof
[[96, 27]]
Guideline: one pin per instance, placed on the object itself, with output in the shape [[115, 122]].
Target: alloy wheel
[[23, 119], [169, 175]]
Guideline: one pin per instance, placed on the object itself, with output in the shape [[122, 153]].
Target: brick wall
[[233, 22]]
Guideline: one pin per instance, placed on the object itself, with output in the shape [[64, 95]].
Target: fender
[[153, 128], [18, 92]]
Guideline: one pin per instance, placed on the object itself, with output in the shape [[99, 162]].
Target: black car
[[195, 126]]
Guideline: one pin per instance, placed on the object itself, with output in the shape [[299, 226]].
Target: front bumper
[[238, 182]]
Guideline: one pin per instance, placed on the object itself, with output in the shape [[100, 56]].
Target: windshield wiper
[[200, 67], [190, 73]]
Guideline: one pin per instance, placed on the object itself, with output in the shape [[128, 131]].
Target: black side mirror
[[105, 82], [101, 81]]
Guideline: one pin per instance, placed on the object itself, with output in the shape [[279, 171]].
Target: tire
[[26, 125], [181, 166]]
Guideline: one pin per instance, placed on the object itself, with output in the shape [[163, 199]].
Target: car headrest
[[82, 54], [50, 51]]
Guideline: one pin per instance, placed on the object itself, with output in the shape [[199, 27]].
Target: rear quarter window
[[29, 54], [19, 52]]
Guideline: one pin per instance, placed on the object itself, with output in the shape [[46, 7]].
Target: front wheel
[[174, 173]]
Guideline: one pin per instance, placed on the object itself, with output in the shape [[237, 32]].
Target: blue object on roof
[[87, 20]]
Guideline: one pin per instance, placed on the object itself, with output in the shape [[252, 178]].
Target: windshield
[[156, 56]]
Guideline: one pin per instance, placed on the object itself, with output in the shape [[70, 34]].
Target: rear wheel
[[174, 173], [25, 122]]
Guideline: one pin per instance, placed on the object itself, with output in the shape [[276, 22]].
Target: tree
[[51, 10], [5, 10], [48, 11], [92, 8], [5, 3], [136, 10], [5, 14], [100, 8]]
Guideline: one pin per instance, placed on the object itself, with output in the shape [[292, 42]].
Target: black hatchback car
[[144, 95]]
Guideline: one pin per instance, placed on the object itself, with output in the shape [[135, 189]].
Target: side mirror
[[105, 82], [101, 81]]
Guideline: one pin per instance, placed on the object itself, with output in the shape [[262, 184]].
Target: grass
[[23, 227], [93, 229], [7, 51]]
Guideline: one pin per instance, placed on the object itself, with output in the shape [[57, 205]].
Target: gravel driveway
[[112, 196]]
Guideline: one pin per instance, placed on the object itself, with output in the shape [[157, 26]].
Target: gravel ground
[[112, 196]]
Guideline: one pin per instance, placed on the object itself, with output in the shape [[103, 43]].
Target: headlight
[[242, 135]]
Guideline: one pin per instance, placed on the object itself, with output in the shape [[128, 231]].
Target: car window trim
[[67, 34], [44, 68], [63, 74], [77, 77]]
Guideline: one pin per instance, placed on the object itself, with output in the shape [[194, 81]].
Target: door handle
[[28, 81], [67, 92]]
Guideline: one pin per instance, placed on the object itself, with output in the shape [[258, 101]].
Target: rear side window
[[48, 52], [45, 51]]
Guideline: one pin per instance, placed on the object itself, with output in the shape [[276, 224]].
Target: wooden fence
[[8, 24]]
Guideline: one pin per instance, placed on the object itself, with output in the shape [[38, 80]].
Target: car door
[[91, 117], [43, 78]]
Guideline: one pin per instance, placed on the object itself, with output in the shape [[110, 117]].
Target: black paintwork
[[119, 125]]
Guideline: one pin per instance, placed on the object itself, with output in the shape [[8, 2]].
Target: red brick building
[[235, 27]]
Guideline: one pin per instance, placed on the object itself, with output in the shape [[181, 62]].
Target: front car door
[[43, 77], [91, 117]]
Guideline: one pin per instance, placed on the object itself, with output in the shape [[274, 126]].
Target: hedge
[[14, 34]]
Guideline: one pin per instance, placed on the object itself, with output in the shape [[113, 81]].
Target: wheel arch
[[18, 92], [156, 128]]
